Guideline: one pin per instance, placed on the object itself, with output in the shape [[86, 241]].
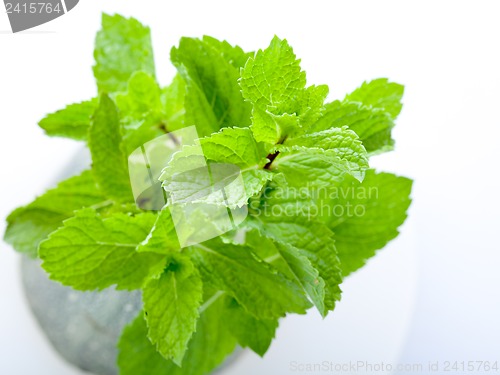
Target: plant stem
[[274, 155]]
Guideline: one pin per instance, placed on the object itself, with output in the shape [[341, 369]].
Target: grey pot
[[84, 327]]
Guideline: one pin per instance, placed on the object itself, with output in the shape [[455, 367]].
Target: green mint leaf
[[137, 356], [213, 98], [265, 126], [292, 263], [28, 225], [235, 269], [256, 334], [70, 122], [273, 78], [109, 161], [141, 111], [211, 343], [341, 142], [265, 248], [122, 47], [372, 125], [369, 111], [216, 184], [147, 111], [231, 152], [310, 104], [237, 146], [234, 55], [234, 146], [90, 252], [314, 167], [163, 238], [142, 97], [373, 211], [306, 275], [208, 347], [274, 83], [313, 239], [171, 303], [381, 94], [173, 102]]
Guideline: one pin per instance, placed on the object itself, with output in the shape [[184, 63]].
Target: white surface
[[433, 293]]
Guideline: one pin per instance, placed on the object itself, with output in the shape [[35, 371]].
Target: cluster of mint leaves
[[252, 110]]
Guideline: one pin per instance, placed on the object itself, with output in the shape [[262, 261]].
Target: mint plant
[[316, 211]]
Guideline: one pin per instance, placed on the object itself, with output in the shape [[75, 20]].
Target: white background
[[432, 294]]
